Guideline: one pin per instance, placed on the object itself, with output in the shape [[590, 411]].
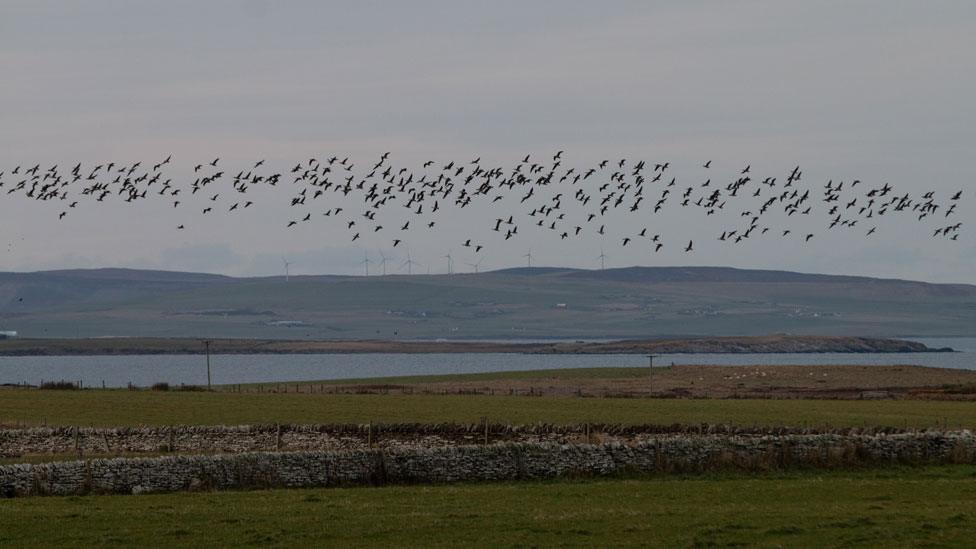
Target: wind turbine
[[365, 262], [529, 256], [383, 262], [450, 263], [475, 266], [287, 264], [602, 257], [409, 263]]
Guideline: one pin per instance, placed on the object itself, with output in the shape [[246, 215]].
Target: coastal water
[[144, 370]]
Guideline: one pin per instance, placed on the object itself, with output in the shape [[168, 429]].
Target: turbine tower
[[475, 266], [603, 258], [529, 256], [450, 263], [287, 264], [365, 262], [409, 263], [383, 262]]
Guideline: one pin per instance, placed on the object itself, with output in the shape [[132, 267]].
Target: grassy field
[[850, 382], [515, 375], [890, 508], [121, 407]]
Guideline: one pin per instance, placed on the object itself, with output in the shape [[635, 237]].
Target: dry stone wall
[[660, 453], [262, 438]]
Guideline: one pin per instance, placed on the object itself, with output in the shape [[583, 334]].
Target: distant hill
[[522, 303], [708, 274], [60, 290]]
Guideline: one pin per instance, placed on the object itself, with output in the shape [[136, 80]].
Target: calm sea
[[118, 371]]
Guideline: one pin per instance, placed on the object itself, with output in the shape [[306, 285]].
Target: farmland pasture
[[108, 408], [891, 507]]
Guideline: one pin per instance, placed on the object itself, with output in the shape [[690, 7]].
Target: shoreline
[[225, 346]]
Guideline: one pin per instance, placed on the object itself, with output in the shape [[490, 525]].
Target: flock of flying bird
[[535, 194]]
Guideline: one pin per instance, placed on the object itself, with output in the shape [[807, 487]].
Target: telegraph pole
[[206, 345], [650, 363]]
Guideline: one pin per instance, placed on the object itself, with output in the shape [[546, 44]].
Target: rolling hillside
[[637, 302]]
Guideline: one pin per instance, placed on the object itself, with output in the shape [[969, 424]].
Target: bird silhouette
[[560, 201]]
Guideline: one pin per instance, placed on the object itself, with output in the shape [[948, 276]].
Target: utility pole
[[650, 364], [206, 345]]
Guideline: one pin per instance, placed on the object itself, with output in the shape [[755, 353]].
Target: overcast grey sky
[[878, 90]]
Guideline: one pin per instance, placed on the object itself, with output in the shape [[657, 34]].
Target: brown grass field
[[685, 381]]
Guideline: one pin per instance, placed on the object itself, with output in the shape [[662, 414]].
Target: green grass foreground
[[890, 508], [108, 408]]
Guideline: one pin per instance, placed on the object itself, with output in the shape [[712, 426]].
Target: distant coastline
[[697, 345]]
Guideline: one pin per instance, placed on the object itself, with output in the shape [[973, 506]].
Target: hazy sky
[[882, 91]]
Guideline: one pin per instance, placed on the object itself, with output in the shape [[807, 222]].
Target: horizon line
[[484, 272]]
